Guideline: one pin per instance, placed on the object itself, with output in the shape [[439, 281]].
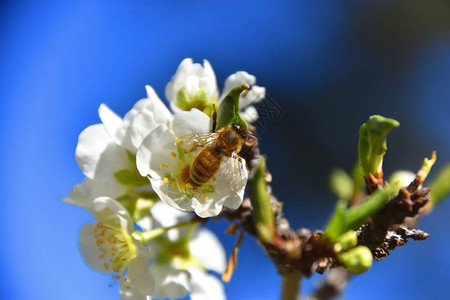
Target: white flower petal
[[192, 85], [89, 249], [209, 250], [190, 122], [208, 80], [143, 123], [254, 95], [192, 76], [166, 216], [170, 282], [146, 223], [92, 142], [250, 114], [112, 122], [205, 286], [109, 211], [83, 194], [80, 195], [160, 110], [154, 156], [130, 294], [151, 114], [98, 155], [140, 276], [236, 79]]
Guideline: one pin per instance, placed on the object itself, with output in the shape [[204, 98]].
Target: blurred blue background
[[328, 64]]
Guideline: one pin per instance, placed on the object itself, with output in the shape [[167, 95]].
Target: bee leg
[[214, 117]]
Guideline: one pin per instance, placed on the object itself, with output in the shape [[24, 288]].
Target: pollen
[[174, 155], [205, 197], [165, 180], [174, 184], [116, 247], [164, 166], [188, 186]]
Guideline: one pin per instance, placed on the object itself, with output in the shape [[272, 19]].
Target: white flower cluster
[[140, 190]]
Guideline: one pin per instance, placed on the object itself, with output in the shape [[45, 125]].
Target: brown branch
[[380, 234]]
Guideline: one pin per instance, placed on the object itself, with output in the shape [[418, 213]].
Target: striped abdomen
[[205, 166]]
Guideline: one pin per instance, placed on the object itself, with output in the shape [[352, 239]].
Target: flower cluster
[[145, 173]]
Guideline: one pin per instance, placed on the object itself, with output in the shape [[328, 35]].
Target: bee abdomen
[[204, 167]]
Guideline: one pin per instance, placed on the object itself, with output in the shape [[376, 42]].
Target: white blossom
[[160, 158], [108, 246], [106, 152], [246, 101], [183, 270], [193, 79]]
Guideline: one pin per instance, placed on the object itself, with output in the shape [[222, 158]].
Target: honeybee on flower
[[191, 168]]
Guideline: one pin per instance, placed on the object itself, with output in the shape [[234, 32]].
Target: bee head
[[239, 130]]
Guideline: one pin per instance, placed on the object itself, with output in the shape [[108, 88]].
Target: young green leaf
[[440, 187], [262, 209], [229, 108], [372, 144]]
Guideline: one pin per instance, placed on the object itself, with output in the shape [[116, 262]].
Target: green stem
[[145, 237], [291, 285]]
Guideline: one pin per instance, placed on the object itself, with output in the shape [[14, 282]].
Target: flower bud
[[346, 241], [357, 260]]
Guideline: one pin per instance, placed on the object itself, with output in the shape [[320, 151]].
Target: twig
[[291, 285]]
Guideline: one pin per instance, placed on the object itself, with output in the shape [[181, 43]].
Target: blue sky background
[[329, 65]]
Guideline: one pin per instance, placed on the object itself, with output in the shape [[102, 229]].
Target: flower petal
[[89, 249], [109, 211], [83, 194], [112, 122], [92, 142], [209, 250], [98, 155], [192, 76], [190, 122], [254, 95], [250, 114], [160, 110], [205, 286], [170, 282], [140, 276], [80, 195], [154, 155], [236, 79], [166, 216]]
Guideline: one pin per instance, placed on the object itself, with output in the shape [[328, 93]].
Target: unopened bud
[[357, 260], [346, 241]]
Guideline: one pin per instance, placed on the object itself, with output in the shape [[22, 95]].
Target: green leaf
[[440, 187], [341, 184], [357, 178], [372, 144], [229, 108], [338, 224], [345, 219], [358, 215], [262, 209]]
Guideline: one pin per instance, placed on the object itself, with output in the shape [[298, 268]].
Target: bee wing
[[234, 166], [192, 142]]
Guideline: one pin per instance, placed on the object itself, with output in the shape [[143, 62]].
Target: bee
[[218, 147]]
